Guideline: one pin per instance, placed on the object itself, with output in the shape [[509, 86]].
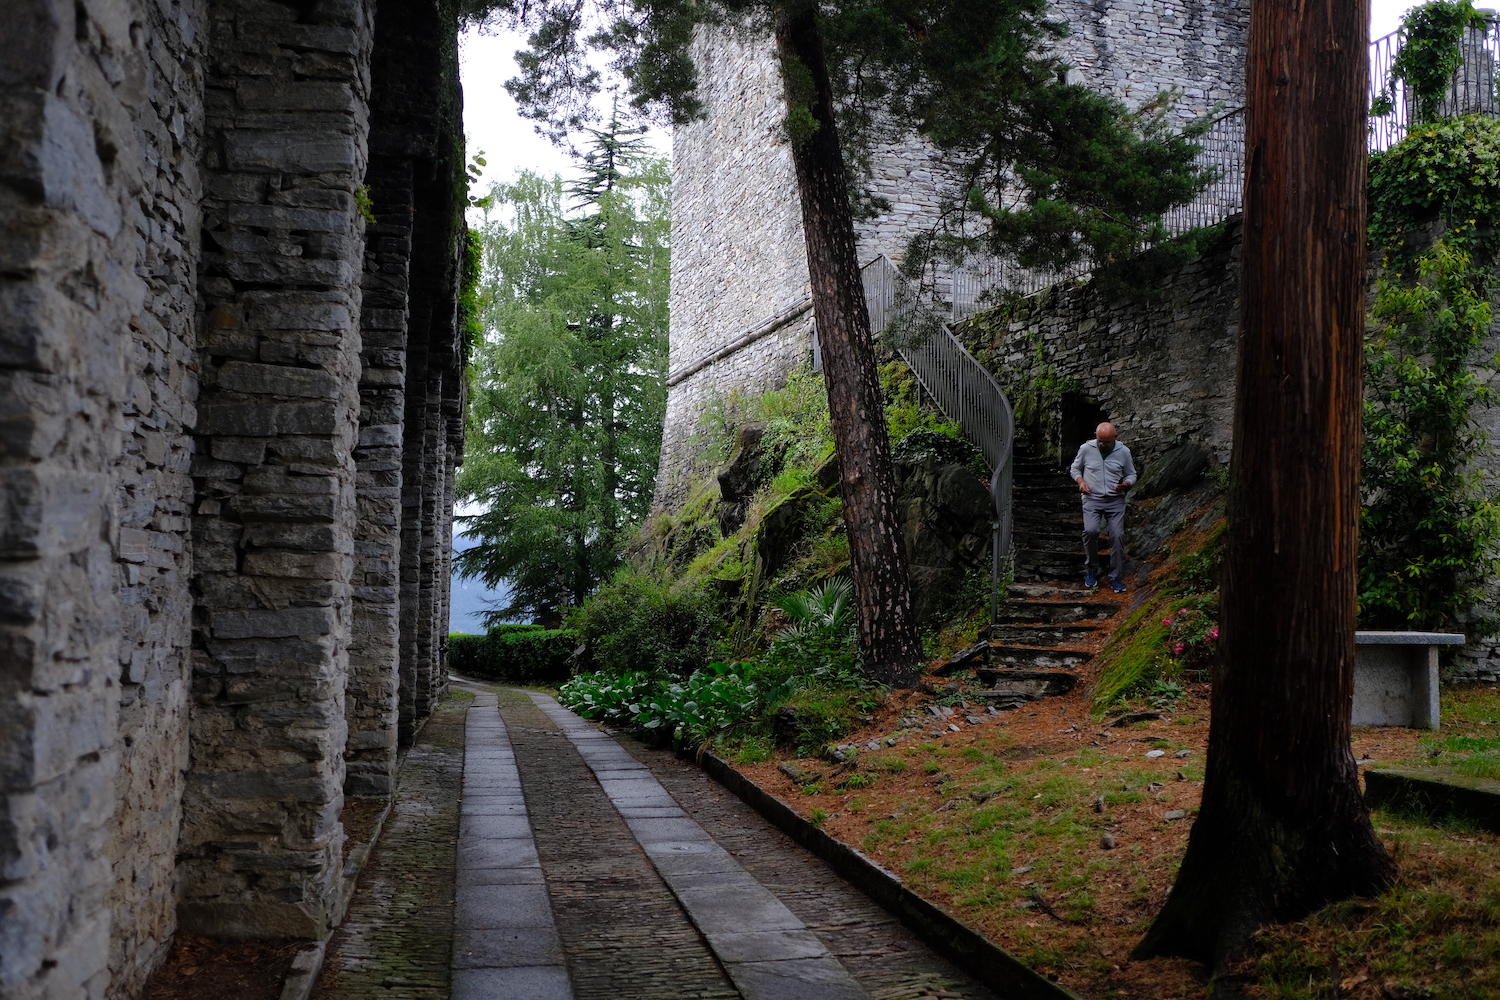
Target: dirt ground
[[1056, 834], [202, 969]]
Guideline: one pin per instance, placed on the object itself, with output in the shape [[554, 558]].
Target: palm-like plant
[[825, 607]]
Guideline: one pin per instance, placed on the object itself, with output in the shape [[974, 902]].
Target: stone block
[[272, 624], [290, 152], [276, 380], [1396, 678]]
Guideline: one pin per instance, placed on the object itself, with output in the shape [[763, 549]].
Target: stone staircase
[[1051, 624]]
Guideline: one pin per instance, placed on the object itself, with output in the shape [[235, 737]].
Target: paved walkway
[[588, 866]]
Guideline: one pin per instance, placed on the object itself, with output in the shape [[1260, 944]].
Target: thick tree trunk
[[882, 586], [1282, 829]]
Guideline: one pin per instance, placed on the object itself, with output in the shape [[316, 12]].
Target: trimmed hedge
[[514, 654]]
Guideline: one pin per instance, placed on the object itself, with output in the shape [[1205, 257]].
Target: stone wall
[[738, 259], [1159, 366], [206, 397]]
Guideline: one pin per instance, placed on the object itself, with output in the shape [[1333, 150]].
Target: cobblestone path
[[396, 940], [591, 867]]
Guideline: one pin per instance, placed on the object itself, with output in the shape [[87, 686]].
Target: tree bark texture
[[887, 631], [1282, 829]]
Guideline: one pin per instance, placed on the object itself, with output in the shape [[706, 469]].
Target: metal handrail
[[1471, 91], [962, 388]]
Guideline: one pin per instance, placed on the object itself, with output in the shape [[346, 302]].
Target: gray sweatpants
[[1108, 515]]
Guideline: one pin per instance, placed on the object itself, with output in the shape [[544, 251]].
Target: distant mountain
[[468, 599]]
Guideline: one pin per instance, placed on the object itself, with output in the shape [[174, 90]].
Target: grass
[[1002, 824], [1435, 934]]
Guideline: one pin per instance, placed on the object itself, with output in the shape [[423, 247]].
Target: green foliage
[[1430, 54], [640, 622], [364, 204], [1430, 521], [923, 445], [904, 412], [567, 391], [825, 608], [1193, 639], [1430, 524], [811, 667], [524, 655], [1446, 175], [1169, 638]]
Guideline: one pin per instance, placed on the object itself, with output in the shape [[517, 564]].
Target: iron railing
[[1471, 91], [962, 388]]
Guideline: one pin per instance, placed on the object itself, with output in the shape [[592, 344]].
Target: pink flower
[[1166, 621], [1177, 648], [1213, 633]]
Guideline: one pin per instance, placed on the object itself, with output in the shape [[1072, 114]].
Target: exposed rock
[[964, 658], [800, 775], [1176, 469]]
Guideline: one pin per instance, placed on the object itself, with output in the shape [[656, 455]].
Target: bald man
[[1104, 474]]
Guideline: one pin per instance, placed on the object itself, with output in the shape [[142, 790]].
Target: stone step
[[1021, 685], [1055, 611], [1031, 658], [1049, 592], [1041, 635]]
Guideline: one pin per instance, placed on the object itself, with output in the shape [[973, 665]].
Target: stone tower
[[740, 319]]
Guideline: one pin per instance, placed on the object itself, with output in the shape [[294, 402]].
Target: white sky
[[510, 142]]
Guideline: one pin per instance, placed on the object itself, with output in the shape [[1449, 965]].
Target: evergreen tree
[[568, 387], [972, 75]]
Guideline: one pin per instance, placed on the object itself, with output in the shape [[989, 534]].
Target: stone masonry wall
[[412, 152], [99, 134], [1161, 368], [154, 492], [287, 123], [204, 430], [737, 249]]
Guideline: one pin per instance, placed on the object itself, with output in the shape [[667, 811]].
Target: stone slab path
[[582, 865]]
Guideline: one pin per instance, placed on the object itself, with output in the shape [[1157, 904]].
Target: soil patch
[[200, 968], [1057, 834]]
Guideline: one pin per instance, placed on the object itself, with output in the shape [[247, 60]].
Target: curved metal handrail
[[960, 387]]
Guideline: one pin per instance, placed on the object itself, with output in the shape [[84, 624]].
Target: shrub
[[514, 654], [640, 623], [710, 701]]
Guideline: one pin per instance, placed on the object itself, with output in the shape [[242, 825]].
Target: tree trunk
[[882, 586], [1283, 830]]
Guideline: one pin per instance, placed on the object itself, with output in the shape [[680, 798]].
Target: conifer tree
[[975, 78], [568, 386]]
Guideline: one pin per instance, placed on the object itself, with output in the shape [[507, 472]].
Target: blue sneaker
[[1118, 585], [1090, 580]]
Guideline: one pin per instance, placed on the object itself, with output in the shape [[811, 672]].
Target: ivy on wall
[[1430, 55], [1431, 522]]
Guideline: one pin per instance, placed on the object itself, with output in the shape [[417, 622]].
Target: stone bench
[[1396, 678]]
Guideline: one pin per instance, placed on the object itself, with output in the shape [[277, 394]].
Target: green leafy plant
[[647, 623], [514, 655], [825, 607], [1429, 525], [1430, 54]]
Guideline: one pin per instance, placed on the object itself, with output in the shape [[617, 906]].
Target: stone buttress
[[208, 305]]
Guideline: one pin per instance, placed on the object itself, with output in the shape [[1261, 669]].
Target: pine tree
[[974, 76], [568, 386]]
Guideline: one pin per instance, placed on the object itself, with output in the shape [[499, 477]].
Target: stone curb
[[1439, 791], [304, 974], [962, 944]]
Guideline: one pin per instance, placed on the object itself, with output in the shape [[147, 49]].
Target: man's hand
[[1083, 487], [1121, 487]]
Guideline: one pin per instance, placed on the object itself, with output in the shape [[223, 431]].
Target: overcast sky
[[510, 143]]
